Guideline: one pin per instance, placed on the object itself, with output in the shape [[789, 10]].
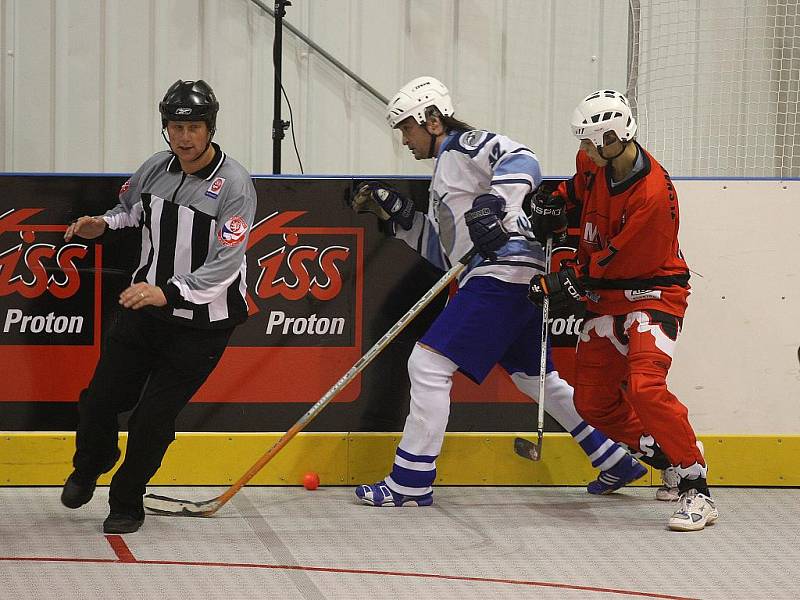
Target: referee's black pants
[[153, 367]]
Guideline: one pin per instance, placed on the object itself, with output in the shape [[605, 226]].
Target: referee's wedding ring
[[141, 295]]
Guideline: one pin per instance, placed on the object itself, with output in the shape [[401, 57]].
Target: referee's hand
[[86, 227], [142, 294]]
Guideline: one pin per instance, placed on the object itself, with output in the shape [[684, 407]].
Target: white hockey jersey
[[468, 165]]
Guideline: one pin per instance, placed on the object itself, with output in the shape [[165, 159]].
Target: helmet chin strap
[[432, 146], [617, 155], [208, 143]]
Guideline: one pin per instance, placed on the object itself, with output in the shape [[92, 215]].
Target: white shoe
[[668, 492], [695, 511]]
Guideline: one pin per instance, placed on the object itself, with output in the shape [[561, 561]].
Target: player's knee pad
[[527, 384], [556, 389], [558, 401], [431, 376], [426, 367]]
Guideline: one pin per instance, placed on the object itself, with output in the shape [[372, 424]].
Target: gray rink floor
[[475, 542]]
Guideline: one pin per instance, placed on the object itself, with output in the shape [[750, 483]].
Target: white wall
[[736, 365], [81, 79]]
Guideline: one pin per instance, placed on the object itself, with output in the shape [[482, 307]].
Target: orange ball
[[311, 480]]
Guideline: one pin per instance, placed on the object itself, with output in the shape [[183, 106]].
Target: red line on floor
[[178, 563], [121, 549]]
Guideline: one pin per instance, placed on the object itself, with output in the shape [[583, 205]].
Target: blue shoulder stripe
[[512, 164]]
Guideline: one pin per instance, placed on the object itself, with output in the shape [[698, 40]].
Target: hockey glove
[[563, 289], [380, 199], [484, 221], [548, 217]]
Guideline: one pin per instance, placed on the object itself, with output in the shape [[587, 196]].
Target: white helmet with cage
[[600, 112], [414, 97]]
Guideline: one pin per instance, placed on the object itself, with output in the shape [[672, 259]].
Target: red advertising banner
[[324, 285], [50, 309], [305, 315]]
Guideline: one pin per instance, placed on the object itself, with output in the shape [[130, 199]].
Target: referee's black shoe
[[78, 490], [119, 522]]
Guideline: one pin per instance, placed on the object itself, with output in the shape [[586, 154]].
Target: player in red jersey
[[629, 274]]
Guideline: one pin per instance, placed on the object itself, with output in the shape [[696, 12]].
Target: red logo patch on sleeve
[[125, 187], [233, 231]]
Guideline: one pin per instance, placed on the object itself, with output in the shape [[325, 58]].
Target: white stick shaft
[[548, 256]]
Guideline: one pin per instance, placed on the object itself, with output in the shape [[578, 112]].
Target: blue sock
[[603, 452]]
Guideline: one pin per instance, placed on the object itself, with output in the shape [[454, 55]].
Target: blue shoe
[[379, 494], [621, 474]]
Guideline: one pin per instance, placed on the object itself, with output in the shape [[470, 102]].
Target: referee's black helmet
[[189, 101]]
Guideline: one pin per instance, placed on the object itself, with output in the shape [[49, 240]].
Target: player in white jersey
[[479, 183]]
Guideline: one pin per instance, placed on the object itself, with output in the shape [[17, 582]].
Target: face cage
[[595, 134]]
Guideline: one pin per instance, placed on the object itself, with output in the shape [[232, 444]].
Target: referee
[[194, 206]]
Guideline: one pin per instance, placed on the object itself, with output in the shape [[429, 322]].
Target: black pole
[[321, 51], [278, 124]]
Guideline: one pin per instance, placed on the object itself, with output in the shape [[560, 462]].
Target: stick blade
[[527, 449], [173, 507]]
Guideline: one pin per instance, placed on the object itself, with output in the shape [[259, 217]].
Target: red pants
[[621, 386]]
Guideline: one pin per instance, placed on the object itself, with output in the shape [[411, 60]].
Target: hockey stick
[[164, 505], [523, 447]]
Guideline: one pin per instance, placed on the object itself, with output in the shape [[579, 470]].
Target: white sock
[[431, 376]]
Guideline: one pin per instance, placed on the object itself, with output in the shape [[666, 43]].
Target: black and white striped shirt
[[194, 235]]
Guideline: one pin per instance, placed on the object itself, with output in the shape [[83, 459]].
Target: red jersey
[[628, 255]]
